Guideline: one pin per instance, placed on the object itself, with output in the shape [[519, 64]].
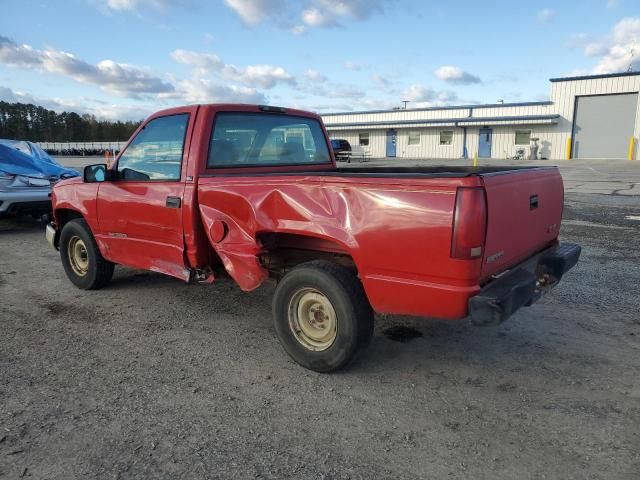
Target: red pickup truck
[[253, 193]]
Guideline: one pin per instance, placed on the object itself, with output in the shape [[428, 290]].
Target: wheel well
[[65, 215], [283, 251]]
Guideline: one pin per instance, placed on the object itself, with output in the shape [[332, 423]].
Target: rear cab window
[[266, 140]]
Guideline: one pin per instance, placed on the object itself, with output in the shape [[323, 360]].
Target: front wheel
[[322, 316], [81, 258]]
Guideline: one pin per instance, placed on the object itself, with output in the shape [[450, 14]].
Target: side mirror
[[96, 173]]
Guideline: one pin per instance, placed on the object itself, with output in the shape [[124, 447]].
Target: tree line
[[24, 121]]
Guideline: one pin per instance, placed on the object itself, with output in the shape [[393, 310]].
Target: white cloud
[[546, 14], [101, 110], [346, 91], [212, 80], [613, 3], [116, 78], [201, 61], [351, 65], [427, 96], [264, 76], [352, 9], [455, 75], [298, 29], [315, 76], [253, 12], [616, 52], [314, 17], [132, 5], [122, 4], [12, 96], [297, 16], [595, 49], [381, 81], [202, 90]]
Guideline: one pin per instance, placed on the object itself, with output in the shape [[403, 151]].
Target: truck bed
[[395, 222]]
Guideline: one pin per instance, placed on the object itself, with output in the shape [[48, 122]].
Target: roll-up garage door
[[603, 125]]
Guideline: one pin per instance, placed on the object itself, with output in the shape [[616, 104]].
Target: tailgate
[[524, 213]]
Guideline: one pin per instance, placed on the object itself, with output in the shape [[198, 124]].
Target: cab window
[[255, 140], [156, 151]]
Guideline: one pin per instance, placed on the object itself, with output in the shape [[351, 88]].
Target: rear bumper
[[522, 285]]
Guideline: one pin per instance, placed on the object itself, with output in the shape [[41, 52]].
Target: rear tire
[[81, 258], [322, 316]]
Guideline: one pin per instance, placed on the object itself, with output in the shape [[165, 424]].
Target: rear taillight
[[469, 224]]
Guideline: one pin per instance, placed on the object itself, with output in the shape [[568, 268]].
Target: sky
[[124, 59]]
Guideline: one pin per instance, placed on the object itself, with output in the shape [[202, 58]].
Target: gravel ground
[[151, 378]]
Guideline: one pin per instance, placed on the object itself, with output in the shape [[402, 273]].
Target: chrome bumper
[[52, 235]]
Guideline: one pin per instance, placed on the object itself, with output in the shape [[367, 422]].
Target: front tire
[[322, 316], [81, 258]]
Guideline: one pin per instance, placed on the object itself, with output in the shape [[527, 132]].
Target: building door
[[392, 136], [484, 144], [603, 125]]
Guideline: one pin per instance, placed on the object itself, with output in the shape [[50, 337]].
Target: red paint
[[398, 231]]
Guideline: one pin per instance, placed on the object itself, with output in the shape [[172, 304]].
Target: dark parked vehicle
[[342, 150]]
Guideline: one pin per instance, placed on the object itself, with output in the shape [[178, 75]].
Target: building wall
[[553, 137], [527, 108], [563, 96], [377, 140], [429, 144], [503, 141]]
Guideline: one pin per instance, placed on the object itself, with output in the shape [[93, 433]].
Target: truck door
[[140, 211]]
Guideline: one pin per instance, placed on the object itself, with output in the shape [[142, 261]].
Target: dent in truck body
[[393, 233]]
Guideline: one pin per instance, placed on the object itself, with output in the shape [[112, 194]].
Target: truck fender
[[237, 248]]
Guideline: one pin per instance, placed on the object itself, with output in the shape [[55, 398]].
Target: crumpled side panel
[[238, 251], [248, 210]]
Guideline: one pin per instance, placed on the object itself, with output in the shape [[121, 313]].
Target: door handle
[[173, 202]]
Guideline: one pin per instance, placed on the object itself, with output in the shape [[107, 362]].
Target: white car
[[26, 175]]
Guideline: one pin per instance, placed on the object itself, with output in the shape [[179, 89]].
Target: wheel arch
[[283, 251], [65, 215]]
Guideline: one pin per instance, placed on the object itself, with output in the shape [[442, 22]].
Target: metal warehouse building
[[596, 116]]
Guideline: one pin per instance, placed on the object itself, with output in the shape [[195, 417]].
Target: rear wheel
[[322, 316], [81, 258]]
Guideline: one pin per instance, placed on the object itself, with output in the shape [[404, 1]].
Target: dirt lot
[[151, 378]]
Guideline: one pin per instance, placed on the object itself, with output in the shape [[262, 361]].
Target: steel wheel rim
[[78, 256], [312, 320]]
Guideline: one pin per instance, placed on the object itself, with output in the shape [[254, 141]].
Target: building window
[[446, 137], [363, 139], [523, 137], [414, 137]]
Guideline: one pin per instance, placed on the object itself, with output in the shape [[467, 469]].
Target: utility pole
[[405, 104], [633, 51]]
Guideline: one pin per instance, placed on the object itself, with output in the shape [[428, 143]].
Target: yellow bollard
[[568, 151], [475, 160], [632, 144]]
